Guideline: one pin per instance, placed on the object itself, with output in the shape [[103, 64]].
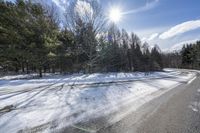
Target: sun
[[115, 14]]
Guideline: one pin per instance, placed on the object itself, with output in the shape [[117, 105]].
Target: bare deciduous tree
[[86, 20]]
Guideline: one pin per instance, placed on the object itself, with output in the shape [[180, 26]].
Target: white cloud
[[180, 29], [179, 45], [153, 36], [147, 6], [150, 38], [144, 39]]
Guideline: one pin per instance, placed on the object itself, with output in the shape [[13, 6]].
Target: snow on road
[[54, 102]]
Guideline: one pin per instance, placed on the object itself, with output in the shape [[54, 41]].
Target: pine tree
[[157, 58]]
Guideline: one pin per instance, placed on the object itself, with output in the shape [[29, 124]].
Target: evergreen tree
[[32, 41], [157, 58]]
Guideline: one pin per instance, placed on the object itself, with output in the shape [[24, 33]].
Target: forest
[[33, 38], [188, 57]]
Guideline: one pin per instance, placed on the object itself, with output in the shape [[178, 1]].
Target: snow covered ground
[[54, 102]]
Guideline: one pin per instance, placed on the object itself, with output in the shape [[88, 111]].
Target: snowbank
[[55, 102]]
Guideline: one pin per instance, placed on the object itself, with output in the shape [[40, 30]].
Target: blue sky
[[167, 23], [152, 21]]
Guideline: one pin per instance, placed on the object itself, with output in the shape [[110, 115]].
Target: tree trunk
[[27, 68], [16, 69], [23, 67], [53, 69], [40, 72]]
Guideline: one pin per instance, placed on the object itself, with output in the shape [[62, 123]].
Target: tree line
[[188, 57], [32, 40]]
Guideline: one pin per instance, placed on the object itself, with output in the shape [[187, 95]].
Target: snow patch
[[55, 102]]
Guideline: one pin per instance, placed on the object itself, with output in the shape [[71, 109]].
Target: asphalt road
[[180, 114], [177, 111]]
